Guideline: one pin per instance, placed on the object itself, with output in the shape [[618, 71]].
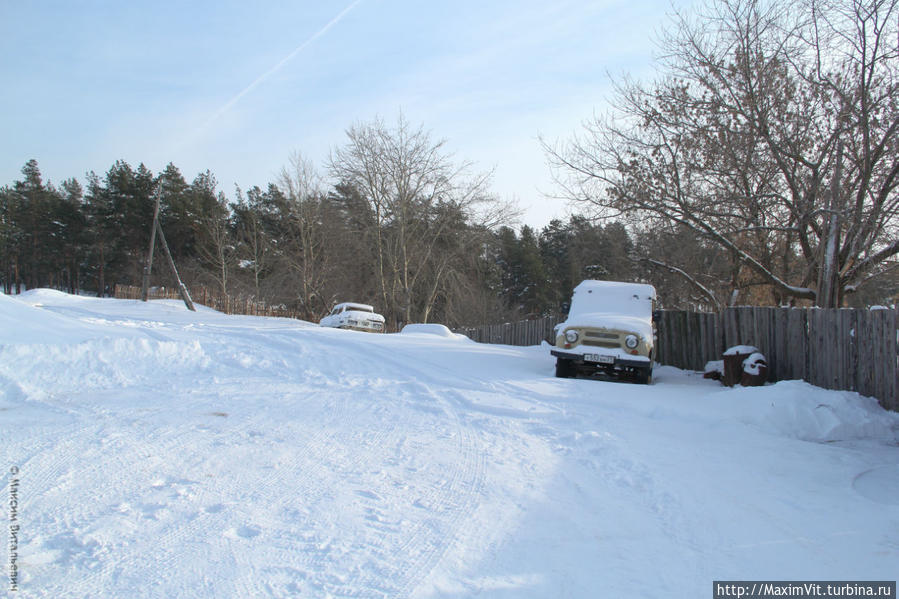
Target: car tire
[[644, 376], [564, 368]]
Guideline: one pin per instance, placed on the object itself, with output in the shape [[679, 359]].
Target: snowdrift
[[159, 452]]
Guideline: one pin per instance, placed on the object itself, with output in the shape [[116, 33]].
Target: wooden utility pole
[[181, 288], [157, 228], [148, 265]]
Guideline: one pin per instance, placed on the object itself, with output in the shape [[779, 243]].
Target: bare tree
[[216, 243], [253, 243], [309, 258], [417, 195], [773, 133]]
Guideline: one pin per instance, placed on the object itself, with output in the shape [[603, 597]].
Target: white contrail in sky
[[280, 65]]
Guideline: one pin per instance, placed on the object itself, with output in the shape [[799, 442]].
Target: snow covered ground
[[164, 453]]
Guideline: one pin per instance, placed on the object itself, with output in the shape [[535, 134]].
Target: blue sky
[[237, 87]]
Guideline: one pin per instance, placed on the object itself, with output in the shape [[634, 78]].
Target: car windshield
[[341, 308], [626, 299]]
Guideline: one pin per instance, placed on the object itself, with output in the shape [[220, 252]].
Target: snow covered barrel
[[755, 370], [744, 364]]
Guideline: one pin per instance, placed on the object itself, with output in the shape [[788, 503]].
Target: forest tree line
[[403, 228], [761, 167]]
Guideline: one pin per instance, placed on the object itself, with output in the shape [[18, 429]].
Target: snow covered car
[[608, 330], [359, 317]]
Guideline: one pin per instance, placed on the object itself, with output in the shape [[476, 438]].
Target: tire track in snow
[[628, 478], [327, 457], [354, 469], [79, 512], [407, 552], [459, 500], [166, 443], [70, 521], [629, 473], [249, 583], [430, 540], [423, 540], [421, 547]]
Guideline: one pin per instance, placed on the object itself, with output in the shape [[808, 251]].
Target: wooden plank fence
[[845, 349], [522, 332]]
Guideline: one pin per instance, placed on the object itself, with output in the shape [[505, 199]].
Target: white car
[[359, 317], [608, 330]]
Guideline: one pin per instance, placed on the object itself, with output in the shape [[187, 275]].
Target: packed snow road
[[154, 452]]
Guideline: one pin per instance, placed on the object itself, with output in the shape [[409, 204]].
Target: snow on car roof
[[354, 306], [632, 299]]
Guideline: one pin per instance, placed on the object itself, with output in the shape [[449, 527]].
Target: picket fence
[[845, 349], [216, 301]]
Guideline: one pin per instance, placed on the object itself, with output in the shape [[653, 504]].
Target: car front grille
[[593, 343], [598, 335], [601, 339]]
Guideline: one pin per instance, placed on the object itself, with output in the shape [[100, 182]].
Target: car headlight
[[571, 336], [631, 341]]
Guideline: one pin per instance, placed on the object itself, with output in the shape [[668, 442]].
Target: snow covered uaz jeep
[[608, 330]]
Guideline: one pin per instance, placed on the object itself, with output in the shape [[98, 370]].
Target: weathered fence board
[[818, 343]]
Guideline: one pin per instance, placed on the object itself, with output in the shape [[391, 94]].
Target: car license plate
[[601, 359]]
